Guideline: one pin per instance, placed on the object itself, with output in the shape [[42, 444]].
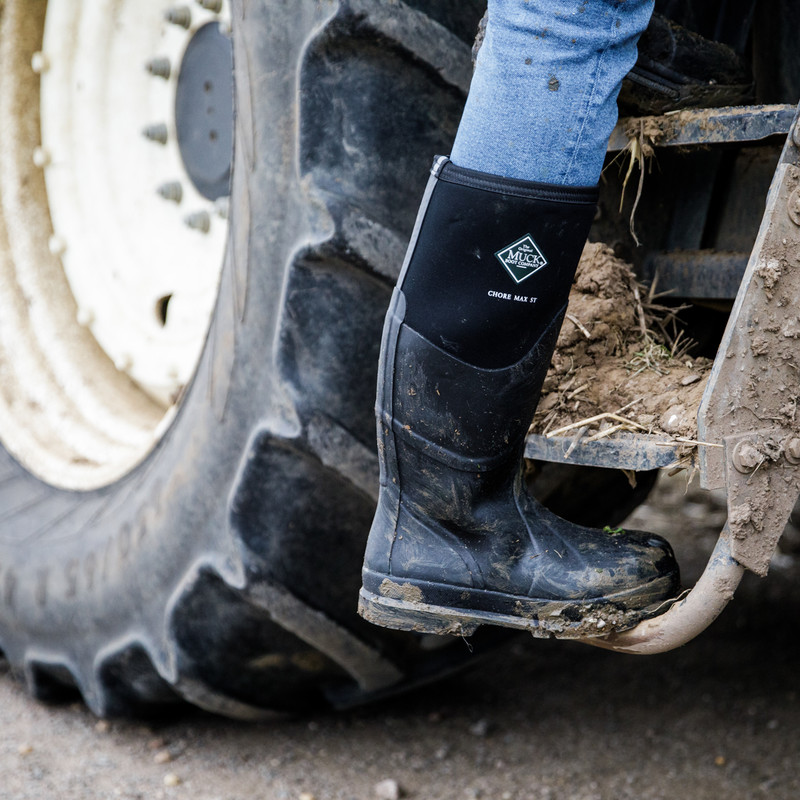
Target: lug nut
[[124, 362], [56, 245], [156, 133], [171, 191], [85, 317], [746, 458], [180, 15], [199, 221], [214, 6], [41, 157], [40, 63], [222, 207], [159, 67]]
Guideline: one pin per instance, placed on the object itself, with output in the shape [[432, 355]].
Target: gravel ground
[[717, 718]]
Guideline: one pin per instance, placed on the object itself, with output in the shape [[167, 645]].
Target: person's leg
[[457, 541], [543, 100]]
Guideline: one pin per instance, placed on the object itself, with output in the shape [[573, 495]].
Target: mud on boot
[[457, 541]]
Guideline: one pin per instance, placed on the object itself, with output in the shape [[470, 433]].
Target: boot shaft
[[491, 262], [472, 325], [470, 333]]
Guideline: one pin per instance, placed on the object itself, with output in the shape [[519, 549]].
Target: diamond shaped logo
[[522, 258]]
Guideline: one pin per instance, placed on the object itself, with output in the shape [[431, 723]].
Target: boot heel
[[417, 617]]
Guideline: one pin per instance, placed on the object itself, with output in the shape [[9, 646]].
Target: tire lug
[[41, 157], [171, 191], [40, 62], [159, 68], [198, 221], [215, 6], [156, 133], [179, 15], [56, 245]]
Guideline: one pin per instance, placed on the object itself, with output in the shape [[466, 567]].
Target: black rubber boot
[[457, 542]]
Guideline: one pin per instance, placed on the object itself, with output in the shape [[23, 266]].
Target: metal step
[[699, 127], [637, 452]]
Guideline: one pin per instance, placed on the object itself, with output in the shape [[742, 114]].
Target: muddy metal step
[[699, 127], [688, 273], [629, 451]]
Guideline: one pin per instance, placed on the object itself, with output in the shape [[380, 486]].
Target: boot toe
[[648, 571]]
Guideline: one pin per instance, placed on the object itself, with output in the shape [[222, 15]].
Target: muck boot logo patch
[[522, 258]]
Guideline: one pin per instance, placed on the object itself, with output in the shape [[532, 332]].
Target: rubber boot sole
[[542, 619]]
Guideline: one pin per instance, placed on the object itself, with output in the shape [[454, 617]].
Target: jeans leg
[[543, 100]]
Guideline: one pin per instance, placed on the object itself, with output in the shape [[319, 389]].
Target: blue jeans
[[543, 100]]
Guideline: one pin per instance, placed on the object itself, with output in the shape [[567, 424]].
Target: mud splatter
[[401, 591]]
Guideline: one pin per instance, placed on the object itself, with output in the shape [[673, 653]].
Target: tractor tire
[[221, 565], [223, 569]]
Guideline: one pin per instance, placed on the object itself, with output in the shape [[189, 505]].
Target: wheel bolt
[[214, 6], [156, 133], [40, 63], [180, 15], [123, 363], [199, 221], [159, 67], [41, 157], [171, 191], [85, 317], [222, 207], [56, 245]]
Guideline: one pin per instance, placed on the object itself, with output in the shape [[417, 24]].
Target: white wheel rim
[[102, 176], [94, 256]]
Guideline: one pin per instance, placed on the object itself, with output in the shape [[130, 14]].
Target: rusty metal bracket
[[749, 406]]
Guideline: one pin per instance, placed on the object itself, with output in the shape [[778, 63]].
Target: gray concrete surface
[[718, 718]]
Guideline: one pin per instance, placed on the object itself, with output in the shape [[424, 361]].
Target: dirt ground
[[717, 718]]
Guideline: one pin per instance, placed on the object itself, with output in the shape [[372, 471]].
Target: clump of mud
[[620, 351]]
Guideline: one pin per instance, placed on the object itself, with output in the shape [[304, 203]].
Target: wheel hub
[[204, 111]]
